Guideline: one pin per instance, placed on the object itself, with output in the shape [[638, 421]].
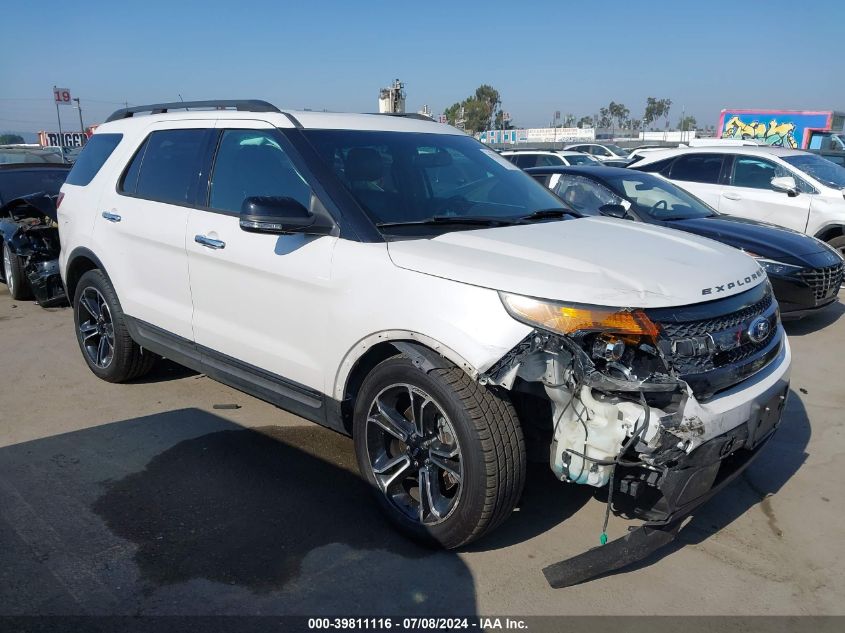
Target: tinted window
[[15, 183], [95, 153], [129, 182], [253, 163], [821, 168], [697, 168], [658, 166], [655, 197], [754, 173], [170, 165], [514, 158], [548, 160]]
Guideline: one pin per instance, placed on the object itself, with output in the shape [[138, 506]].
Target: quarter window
[[92, 157], [170, 166], [704, 168], [252, 163]]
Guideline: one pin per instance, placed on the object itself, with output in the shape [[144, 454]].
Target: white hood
[[600, 261]]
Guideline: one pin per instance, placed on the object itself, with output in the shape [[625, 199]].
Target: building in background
[[391, 100]]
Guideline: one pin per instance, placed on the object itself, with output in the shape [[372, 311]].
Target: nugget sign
[[62, 96]]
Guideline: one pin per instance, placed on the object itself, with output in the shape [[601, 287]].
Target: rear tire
[[104, 340], [463, 440], [14, 274]]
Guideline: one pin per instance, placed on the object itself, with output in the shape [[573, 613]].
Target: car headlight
[[572, 318], [773, 267]]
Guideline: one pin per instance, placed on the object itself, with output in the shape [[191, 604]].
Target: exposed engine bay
[[632, 412], [29, 226]]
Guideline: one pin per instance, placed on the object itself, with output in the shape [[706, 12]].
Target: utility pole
[[81, 125]]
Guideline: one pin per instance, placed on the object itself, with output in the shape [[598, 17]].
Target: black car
[[805, 273], [29, 234]]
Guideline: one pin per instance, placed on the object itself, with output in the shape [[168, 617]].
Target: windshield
[[580, 159], [825, 171], [15, 183], [401, 177], [645, 194], [616, 149]]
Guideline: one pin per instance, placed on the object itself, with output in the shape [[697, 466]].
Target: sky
[[568, 55]]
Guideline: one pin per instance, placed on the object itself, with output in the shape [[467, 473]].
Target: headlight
[[571, 318], [777, 268]]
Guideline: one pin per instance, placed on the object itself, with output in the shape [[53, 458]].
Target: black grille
[[825, 282], [717, 324], [724, 352]]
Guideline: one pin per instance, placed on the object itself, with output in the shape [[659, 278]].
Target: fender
[[77, 253], [422, 349]]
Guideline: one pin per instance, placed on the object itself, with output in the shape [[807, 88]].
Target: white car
[[787, 187], [525, 158], [602, 151], [395, 280]]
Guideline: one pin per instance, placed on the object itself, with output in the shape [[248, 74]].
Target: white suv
[[798, 190], [525, 158], [395, 280]]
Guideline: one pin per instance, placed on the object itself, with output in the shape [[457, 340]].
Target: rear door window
[[171, 164], [704, 168], [92, 157]]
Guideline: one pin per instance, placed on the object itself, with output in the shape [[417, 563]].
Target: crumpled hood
[[599, 261]]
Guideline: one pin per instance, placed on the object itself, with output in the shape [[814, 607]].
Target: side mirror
[[614, 211], [279, 216], [785, 184]]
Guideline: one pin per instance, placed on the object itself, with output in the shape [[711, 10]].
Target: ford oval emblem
[[759, 329]]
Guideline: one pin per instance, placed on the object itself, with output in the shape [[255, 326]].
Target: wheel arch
[[829, 232], [79, 262], [424, 351]]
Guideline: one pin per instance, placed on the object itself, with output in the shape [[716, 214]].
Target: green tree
[[618, 113], [656, 109], [687, 123], [481, 111], [585, 121], [11, 139], [604, 118]]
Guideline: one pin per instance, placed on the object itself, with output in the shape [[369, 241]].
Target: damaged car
[[395, 280], [29, 236]]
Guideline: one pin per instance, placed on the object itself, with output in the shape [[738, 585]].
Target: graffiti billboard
[[780, 128]]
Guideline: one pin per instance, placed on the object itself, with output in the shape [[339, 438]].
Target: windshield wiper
[[544, 214], [451, 219]]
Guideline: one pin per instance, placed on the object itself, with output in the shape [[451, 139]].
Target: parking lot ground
[[146, 499]]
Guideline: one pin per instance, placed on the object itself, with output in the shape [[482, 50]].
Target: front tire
[[13, 273], [839, 244], [444, 455], [101, 331]]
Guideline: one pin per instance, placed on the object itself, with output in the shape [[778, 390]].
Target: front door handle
[[732, 196], [111, 217], [208, 242]]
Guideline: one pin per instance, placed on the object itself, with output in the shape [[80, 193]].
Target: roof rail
[[245, 105], [406, 115]]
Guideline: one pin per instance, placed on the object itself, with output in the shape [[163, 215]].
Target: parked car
[[524, 158], [602, 151], [806, 274], [29, 238], [790, 188], [329, 263]]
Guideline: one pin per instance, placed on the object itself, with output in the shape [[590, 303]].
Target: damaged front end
[[28, 225], [633, 400]]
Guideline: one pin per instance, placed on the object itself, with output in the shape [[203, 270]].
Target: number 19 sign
[[62, 96]]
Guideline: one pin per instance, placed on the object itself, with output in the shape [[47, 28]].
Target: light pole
[[81, 125]]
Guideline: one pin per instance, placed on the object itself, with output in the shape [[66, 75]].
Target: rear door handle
[[111, 217], [732, 196], [209, 243]]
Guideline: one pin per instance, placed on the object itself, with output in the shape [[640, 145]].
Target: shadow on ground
[[814, 322], [185, 512]]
